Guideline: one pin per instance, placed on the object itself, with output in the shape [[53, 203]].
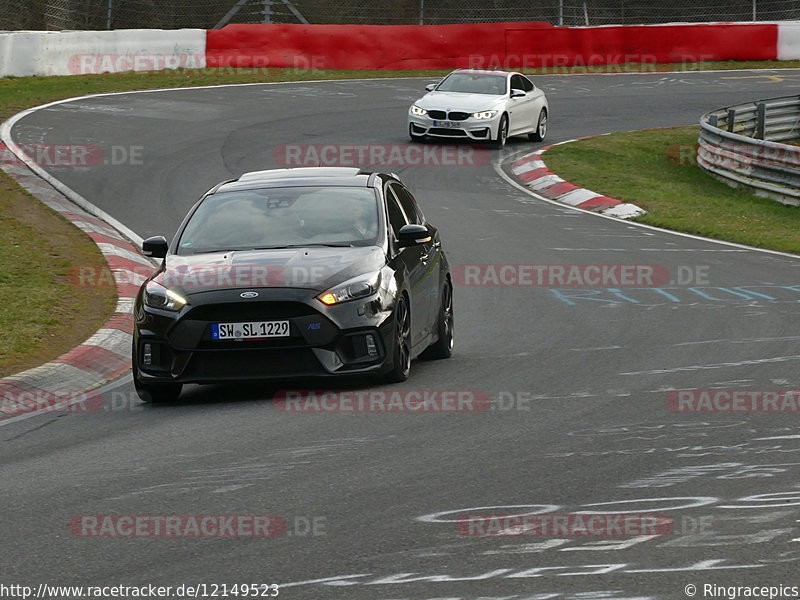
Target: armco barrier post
[[761, 120], [731, 119]]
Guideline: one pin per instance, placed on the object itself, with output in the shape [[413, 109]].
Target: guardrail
[[740, 145]]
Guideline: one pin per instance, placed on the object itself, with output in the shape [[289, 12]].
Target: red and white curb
[[106, 354], [532, 172]]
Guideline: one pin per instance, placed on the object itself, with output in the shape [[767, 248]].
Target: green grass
[[29, 286], [655, 170], [41, 314]]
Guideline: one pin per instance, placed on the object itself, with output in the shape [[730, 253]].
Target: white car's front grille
[[454, 115]]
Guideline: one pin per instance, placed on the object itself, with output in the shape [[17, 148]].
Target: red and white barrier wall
[[506, 45], [390, 47]]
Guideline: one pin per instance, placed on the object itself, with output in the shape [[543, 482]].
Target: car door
[[412, 262], [537, 97], [431, 257], [522, 110]]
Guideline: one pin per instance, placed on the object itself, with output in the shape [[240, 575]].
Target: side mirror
[[430, 87], [413, 235], [518, 94], [155, 246]]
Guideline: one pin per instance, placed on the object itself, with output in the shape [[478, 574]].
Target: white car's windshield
[[471, 83], [281, 217]]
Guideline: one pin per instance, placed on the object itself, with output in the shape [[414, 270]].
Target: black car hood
[[310, 268]]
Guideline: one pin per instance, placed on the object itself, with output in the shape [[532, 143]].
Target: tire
[[443, 346], [401, 348], [502, 133], [414, 137], [153, 393], [541, 127]]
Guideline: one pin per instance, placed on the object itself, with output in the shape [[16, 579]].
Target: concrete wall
[[26, 53]]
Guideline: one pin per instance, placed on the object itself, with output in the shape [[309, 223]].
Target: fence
[[740, 145], [210, 14]]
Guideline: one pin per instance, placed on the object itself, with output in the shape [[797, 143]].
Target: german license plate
[[256, 330], [447, 124]]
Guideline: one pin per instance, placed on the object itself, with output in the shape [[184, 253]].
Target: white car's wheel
[[502, 133], [541, 127]]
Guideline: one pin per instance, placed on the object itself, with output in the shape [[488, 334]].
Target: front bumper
[[479, 130], [345, 339]]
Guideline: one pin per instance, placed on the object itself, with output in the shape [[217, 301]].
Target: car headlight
[[352, 289], [416, 110], [157, 296], [486, 114]]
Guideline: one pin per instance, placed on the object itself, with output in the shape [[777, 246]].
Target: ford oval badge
[[249, 294]]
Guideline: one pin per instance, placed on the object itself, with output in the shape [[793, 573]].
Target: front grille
[[458, 116], [437, 114], [232, 364], [277, 342], [249, 311], [449, 132]]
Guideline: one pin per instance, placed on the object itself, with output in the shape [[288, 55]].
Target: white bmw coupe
[[485, 106]]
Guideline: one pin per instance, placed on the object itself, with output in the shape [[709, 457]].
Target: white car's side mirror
[[430, 87], [517, 94]]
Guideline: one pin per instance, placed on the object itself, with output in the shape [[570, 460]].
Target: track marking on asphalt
[[742, 363], [741, 341], [598, 348]]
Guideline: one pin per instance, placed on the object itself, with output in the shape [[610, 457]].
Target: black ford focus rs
[[293, 273]]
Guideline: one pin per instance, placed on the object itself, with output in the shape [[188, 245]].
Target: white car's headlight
[[352, 289], [486, 114], [157, 296], [416, 110]]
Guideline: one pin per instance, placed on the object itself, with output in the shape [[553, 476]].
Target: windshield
[[282, 217], [471, 83]]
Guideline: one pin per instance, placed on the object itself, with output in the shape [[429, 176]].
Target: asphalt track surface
[[591, 376]]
